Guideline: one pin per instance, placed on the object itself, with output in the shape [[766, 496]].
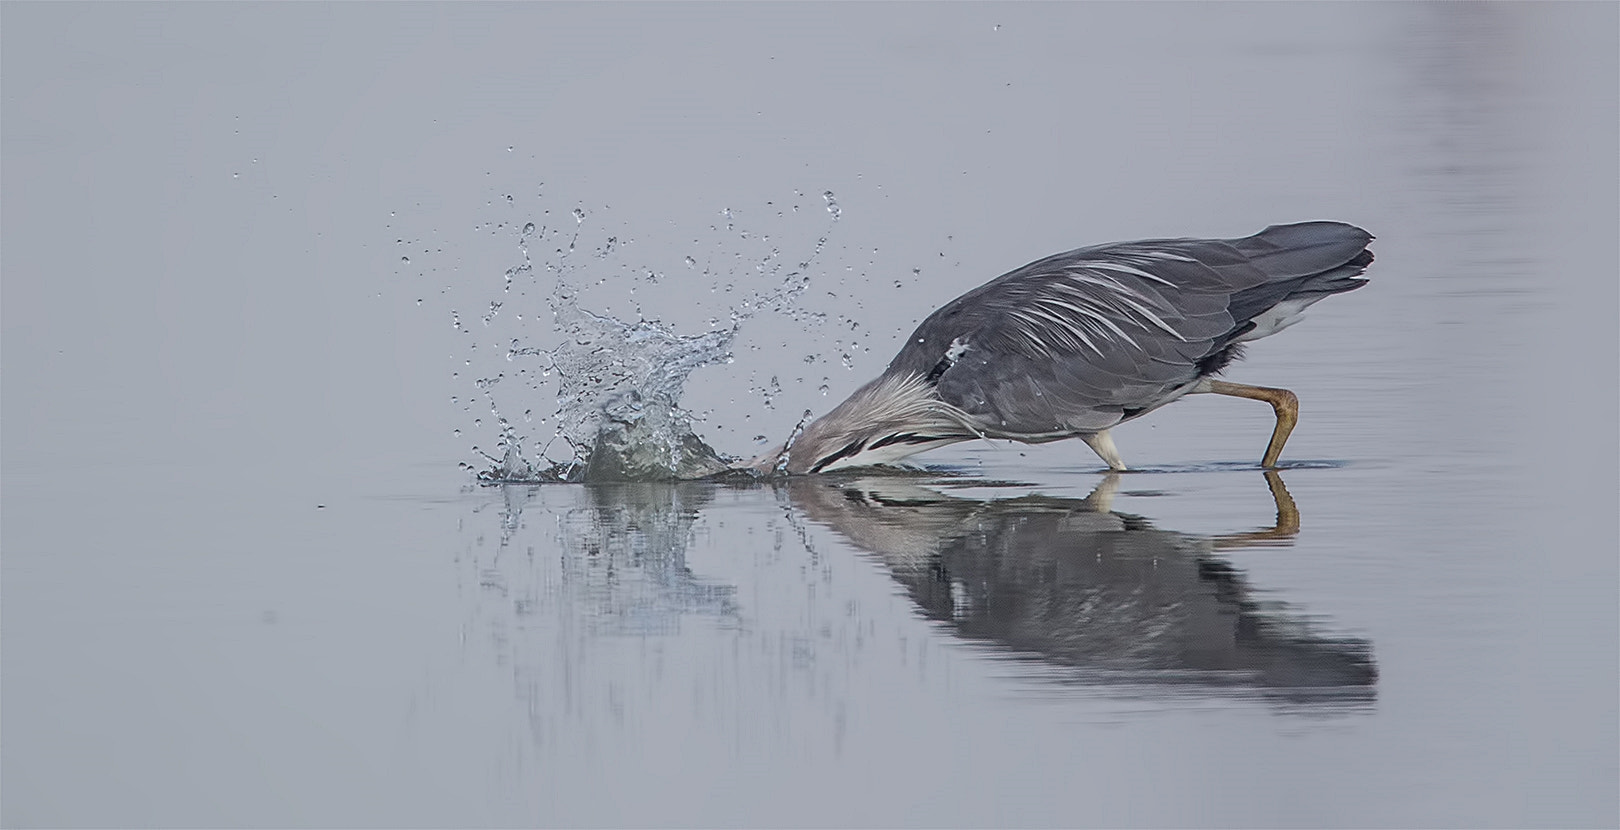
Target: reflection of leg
[[1102, 444], [1287, 511], [1286, 404], [1101, 499], [1282, 534]]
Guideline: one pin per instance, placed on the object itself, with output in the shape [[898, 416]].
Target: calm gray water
[[258, 258]]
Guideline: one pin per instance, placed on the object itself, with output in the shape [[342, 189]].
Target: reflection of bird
[[1104, 594], [1071, 345]]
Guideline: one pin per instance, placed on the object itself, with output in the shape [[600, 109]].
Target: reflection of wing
[[1103, 593], [1077, 341]]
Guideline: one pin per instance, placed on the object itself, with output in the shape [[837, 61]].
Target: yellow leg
[[1286, 404]]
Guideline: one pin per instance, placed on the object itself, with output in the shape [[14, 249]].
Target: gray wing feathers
[[1325, 259], [1302, 250], [1080, 340]]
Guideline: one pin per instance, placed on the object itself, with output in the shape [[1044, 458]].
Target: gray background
[[245, 581]]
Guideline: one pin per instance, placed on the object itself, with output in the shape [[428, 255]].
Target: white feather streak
[[1129, 269], [1092, 315], [1062, 325], [1120, 294]]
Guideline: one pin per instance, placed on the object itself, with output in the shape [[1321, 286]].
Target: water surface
[[269, 280]]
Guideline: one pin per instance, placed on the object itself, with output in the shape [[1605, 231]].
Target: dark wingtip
[[1306, 248], [1325, 232]]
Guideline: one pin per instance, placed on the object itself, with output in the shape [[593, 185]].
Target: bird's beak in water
[[764, 464]]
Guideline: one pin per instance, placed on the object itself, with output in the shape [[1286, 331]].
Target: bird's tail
[[1304, 263]]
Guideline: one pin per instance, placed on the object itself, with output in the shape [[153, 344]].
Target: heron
[[1077, 343]]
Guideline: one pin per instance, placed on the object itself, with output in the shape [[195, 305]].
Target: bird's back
[[1082, 340]]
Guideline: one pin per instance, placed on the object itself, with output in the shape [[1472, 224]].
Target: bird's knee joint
[[1286, 401]]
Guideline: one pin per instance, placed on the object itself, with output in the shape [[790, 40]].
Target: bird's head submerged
[[890, 418]]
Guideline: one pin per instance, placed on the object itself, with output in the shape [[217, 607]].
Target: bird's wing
[[1078, 341]]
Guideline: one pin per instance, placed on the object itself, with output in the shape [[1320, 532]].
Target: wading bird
[[1074, 344]]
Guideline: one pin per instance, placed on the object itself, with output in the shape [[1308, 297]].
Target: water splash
[[618, 384], [619, 392]]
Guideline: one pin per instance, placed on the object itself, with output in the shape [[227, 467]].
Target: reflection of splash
[[581, 585], [1105, 597], [619, 384], [623, 559]]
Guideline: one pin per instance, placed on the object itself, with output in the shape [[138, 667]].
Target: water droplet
[[458, 433]]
